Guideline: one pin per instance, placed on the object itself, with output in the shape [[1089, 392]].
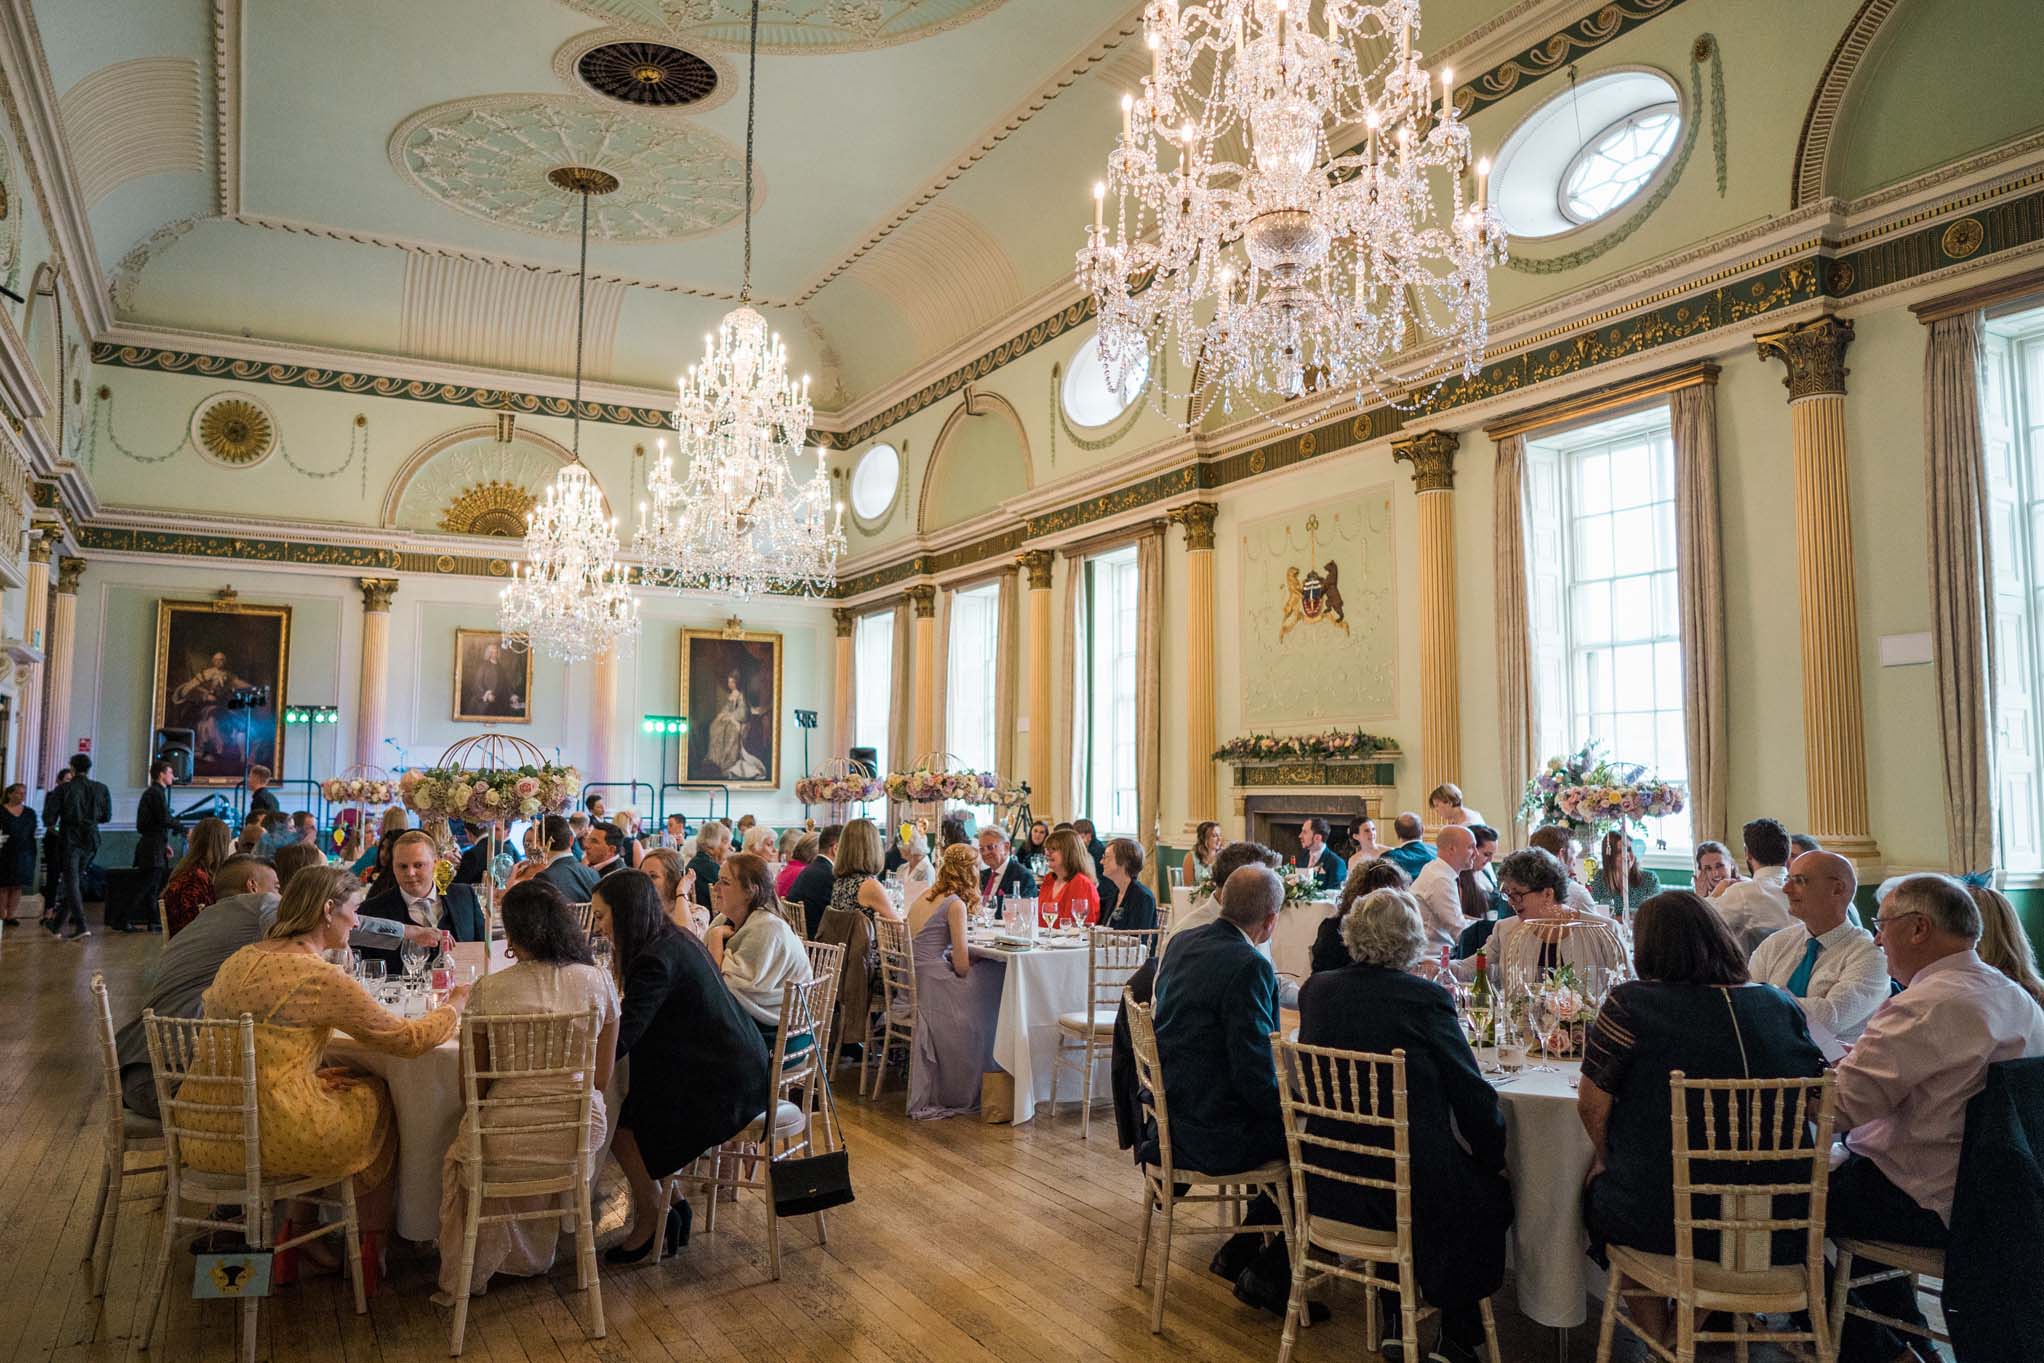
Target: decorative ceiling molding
[[946, 275], [1123, 30], [488, 156], [799, 28], [228, 78], [457, 462], [568, 61], [975, 405], [1813, 147], [33, 108], [1553, 53], [135, 118], [472, 313]]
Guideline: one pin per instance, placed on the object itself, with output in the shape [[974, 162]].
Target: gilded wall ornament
[[794, 27], [489, 157], [1814, 352], [234, 429], [1432, 456], [845, 619], [923, 597], [1962, 238], [377, 592], [1198, 520], [489, 508], [1037, 563]]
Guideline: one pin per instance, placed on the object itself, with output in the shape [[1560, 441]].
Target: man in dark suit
[[1217, 1004], [476, 860], [155, 826], [1316, 856], [573, 879], [603, 849], [412, 899], [811, 889], [85, 806], [1001, 876]]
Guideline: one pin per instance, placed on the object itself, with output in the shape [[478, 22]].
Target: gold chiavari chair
[[122, 1134], [895, 1023], [1112, 957], [794, 915]]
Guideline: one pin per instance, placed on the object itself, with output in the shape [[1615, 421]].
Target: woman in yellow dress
[[315, 1121]]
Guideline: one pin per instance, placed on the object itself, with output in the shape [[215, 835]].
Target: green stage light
[[665, 725]]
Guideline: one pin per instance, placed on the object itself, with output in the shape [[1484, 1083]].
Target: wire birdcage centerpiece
[[838, 784], [359, 791], [939, 778]]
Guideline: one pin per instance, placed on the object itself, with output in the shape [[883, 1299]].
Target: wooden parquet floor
[[968, 1244]]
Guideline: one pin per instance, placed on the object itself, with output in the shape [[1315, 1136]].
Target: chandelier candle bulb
[[1447, 94]]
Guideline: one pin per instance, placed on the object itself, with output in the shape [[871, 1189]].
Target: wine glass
[[372, 974], [412, 957]]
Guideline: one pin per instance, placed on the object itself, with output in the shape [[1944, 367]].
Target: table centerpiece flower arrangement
[[367, 790], [481, 796], [1330, 745], [1587, 793], [1561, 1012], [1302, 884], [853, 789], [936, 785]]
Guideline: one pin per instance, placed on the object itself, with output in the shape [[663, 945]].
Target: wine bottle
[[1481, 1002]]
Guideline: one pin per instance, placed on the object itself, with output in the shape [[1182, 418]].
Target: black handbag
[[811, 1184]]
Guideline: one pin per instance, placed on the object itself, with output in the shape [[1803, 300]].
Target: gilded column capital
[[1814, 352], [1432, 456], [1037, 562], [923, 597], [38, 549], [846, 619], [69, 571], [376, 592], [1198, 520]]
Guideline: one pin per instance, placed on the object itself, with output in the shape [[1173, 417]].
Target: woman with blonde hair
[[957, 998], [395, 820], [663, 866], [856, 886], [1070, 890], [2003, 943], [316, 1122], [190, 887], [760, 841]]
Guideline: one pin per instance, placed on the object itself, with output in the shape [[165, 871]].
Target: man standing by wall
[[85, 806], [155, 826]]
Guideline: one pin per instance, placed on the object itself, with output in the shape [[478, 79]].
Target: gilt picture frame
[[492, 683], [731, 693], [205, 653]]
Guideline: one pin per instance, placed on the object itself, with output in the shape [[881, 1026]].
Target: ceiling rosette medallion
[[794, 27], [235, 430], [491, 507], [489, 157]]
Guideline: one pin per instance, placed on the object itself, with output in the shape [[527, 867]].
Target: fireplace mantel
[[1341, 789]]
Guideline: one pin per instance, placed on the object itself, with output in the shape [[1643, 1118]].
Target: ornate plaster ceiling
[[807, 27]]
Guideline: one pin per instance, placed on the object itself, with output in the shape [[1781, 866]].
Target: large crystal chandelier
[[740, 521], [1231, 229], [570, 597]]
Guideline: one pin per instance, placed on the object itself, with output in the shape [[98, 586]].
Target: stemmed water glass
[[412, 957]]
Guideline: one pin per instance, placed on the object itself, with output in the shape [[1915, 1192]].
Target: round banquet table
[[1291, 946], [1548, 1156], [1040, 983]]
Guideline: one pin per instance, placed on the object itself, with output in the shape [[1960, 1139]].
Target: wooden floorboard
[[968, 1244]]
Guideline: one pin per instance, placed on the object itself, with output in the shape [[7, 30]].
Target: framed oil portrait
[[731, 693], [492, 684], [210, 660]]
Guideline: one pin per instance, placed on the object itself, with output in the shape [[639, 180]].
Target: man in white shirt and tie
[[414, 895], [1904, 1088], [1755, 908], [1439, 885], [1827, 963]]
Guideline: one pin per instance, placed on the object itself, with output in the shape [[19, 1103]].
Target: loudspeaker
[[866, 760], [175, 747]]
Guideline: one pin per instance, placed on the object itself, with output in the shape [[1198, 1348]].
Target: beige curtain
[[940, 672], [1007, 673], [1149, 687], [1514, 629], [1066, 751], [1962, 620], [1700, 571], [900, 716]]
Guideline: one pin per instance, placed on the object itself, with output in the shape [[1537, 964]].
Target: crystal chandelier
[[1270, 262], [570, 598], [740, 521]]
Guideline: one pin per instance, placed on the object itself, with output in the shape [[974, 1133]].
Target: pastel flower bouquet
[[480, 796], [933, 786], [1333, 744], [1301, 884], [1588, 793], [369, 790], [1561, 1012], [854, 789]]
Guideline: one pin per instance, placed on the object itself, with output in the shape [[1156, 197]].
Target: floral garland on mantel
[[1332, 745]]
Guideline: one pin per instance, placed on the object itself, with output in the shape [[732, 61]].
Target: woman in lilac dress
[[958, 999]]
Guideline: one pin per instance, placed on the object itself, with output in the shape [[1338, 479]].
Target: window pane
[[873, 682], [1110, 680]]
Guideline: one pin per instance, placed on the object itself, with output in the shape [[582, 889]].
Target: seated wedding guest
[[1135, 906], [761, 841], [1694, 1009], [603, 849], [699, 1068], [1800, 843], [1904, 1087], [556, 864], [1620, 878], [1546, 930], [1207, 842], [1438, 887], [1364, 835], [1090, 837], [476, 860], [1217, 1004], [1001, 875], [1411, 853], [1461, 1197], [958, 999], [1069, 892], [628, 848], [553, 973], [856, 884], [891, 861], [316, 1121], [411, 896], [1824, 961], [1559, 843], [713, 844], [1714, 868], [250, 841], [1039, 841], [1206, 907], [798, 851], [394, 820], [1754, 908], [676, 832], [1478, 886], [1330, 948], [593, 806], [190, 887], [17, 852], [758, 953], [1316, 856], [578, 824], [791, 838], [916, 870], [671, 881], [955, 830], [1444, 805], [813, 887], [2003, 943]]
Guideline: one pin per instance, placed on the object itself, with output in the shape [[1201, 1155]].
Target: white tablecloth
[[1040, 983], [1548, 1156], [1291, 946]]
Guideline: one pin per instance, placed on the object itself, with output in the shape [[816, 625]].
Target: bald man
[[1438, 887], [1826, 961]]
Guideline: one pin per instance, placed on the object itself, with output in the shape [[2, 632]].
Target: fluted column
[[1202, 790], [28, 763], [1834, 739], [923, 697], [603, 719], [1432, 456], [1036, 565], [63, 634], [372, 691], [846, 620]]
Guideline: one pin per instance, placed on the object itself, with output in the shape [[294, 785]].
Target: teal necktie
[[1799, 980]]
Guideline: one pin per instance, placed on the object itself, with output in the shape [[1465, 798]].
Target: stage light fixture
[[664, 724]]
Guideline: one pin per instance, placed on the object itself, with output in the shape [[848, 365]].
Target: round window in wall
[[1090, 400], [1584, 154], [875, 481]]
